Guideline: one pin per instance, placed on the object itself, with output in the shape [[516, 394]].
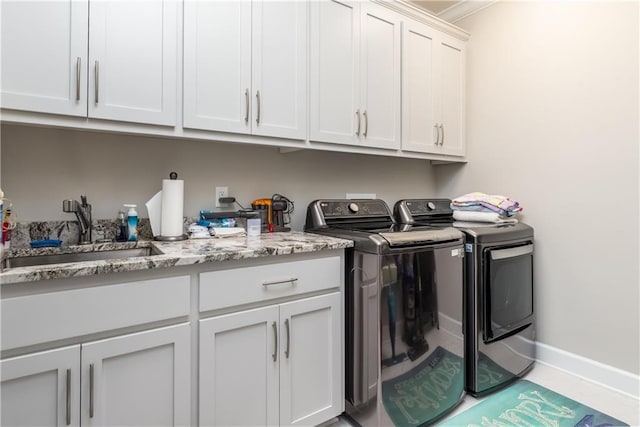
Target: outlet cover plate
[[221, 192], [361, 196]]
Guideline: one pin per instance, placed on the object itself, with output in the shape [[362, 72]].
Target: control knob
[[431, 206], [353, 207]]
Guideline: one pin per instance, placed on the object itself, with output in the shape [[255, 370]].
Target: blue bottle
[[132, 223]]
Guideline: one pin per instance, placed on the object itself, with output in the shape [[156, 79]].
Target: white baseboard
[[590, 370]]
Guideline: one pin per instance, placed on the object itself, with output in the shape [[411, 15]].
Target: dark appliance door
[[508, 290]]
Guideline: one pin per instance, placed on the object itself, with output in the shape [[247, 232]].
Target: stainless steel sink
[[28, 261]]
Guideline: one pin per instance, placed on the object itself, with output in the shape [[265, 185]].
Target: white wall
[[41, 167], [552, 108]]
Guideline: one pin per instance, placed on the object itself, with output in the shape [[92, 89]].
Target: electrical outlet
[[361, 195], [221, 192]]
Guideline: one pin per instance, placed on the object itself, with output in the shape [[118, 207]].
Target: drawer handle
[[292, 280]]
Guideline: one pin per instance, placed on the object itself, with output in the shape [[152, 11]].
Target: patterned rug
[[434, 387], [526, 404], [426, 392]]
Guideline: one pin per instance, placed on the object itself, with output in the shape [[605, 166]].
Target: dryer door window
[[508, 287]]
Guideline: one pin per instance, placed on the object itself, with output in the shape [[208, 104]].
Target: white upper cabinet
[[433, 85], [355, 74], [335, 72], [44, 56], [113, 60], [380, 74], [133, 61], [245, 67], [452, 96]]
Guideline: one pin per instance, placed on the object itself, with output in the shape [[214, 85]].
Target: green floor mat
[[526, 404], [426, 392], [490, 374]]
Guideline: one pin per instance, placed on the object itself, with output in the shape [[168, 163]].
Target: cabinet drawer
[[41, 318], [227, 288]]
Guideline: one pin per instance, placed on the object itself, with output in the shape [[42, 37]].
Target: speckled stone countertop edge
[[181, 253]]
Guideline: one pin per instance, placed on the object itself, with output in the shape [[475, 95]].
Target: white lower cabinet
[[41, 389], [137, 379], [276, 365]]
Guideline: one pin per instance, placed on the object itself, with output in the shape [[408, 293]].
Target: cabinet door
[[279, 66], [141, 379], [419, 132], [41, 389], [44, 56], [335, 113], [239, 369], [133, 61], [451, 75], [380, 84], [217, 65], [311, 373]]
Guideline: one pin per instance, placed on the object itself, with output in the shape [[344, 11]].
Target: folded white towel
[[492, 217], [227, 231]]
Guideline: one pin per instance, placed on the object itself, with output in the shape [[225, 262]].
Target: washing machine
[[499, 319]]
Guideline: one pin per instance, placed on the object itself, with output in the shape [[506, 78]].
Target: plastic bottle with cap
[[122, 232], [132, 222]]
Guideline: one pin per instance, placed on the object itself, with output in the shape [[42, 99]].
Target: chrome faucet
[[83, 213]]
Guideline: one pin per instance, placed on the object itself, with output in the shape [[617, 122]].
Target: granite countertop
[[186, 252]]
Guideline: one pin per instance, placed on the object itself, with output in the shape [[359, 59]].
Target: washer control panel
[[354, 208]]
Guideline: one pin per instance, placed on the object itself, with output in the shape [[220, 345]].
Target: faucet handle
[[84, 200], [69, 206]]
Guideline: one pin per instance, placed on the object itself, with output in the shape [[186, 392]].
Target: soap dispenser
[[132, 222], [121, 228]]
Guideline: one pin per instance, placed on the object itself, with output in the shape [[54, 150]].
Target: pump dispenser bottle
[[122, 232], [132, 223]]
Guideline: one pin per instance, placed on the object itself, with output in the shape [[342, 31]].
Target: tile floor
[[620, 406]]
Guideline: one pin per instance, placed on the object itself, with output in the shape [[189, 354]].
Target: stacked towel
[[481, 207], [197, 231], [227, 231]]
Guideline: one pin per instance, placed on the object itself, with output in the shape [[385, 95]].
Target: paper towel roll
[[171, 224]]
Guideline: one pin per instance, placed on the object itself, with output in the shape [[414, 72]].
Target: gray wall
[[41, 167], [553, 122]]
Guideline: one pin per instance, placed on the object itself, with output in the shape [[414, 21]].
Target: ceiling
[[434, 6]]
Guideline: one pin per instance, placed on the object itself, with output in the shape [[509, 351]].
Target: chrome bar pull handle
[[286, 325], [97, 84], [358, 114], [69, 395], [366, 123], [437, 129], [275, 341], [258, 106], [442, 128], [91, 374], [78, 71], [292, 280], [246, 107]]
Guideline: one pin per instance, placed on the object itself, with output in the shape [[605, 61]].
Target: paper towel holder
[[172, 176]]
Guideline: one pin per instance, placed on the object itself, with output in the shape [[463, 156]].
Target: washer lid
[[417, 236]]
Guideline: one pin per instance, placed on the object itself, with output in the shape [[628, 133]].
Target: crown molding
[[409, 9], [464, 8]]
